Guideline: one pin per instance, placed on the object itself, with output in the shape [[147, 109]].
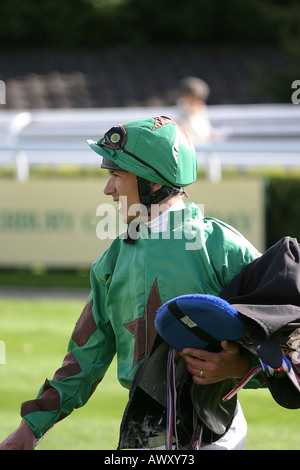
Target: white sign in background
[[55, 223]]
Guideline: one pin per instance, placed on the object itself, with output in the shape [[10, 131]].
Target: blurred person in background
[[193, 117], [192, 105]]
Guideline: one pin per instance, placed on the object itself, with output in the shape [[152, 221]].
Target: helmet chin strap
[[147, 198]]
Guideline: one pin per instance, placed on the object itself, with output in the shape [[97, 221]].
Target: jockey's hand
[[210, 367], [23, 438]]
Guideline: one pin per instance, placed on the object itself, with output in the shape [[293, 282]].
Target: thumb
[[230, 347]]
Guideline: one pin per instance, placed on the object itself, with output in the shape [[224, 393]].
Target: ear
[[155, 187]]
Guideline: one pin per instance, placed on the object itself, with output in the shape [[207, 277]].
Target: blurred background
[[70, 70], [227, 71]]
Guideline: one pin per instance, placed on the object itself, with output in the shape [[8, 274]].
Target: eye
[[116, 174]]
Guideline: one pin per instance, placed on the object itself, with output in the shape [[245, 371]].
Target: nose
[[109, 188]]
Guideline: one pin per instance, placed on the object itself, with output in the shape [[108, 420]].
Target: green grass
[[270, 426], [36, 333], [41, 277]]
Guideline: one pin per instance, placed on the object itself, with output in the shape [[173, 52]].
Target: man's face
[[122, 186]]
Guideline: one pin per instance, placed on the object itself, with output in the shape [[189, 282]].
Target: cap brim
[[100, 150], [108, 160]]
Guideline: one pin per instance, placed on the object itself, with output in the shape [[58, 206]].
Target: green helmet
[[155, 149]]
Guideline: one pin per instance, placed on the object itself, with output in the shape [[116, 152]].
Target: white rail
[[249, 135]]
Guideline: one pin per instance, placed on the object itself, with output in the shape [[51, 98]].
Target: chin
[[124, 218]]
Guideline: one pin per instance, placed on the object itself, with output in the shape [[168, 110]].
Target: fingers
[[192, 355], [197, 365], [210, 367]]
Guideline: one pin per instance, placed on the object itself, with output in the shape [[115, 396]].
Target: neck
[[157, 209]]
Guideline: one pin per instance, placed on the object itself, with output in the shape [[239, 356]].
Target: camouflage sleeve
[[90, 352]]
